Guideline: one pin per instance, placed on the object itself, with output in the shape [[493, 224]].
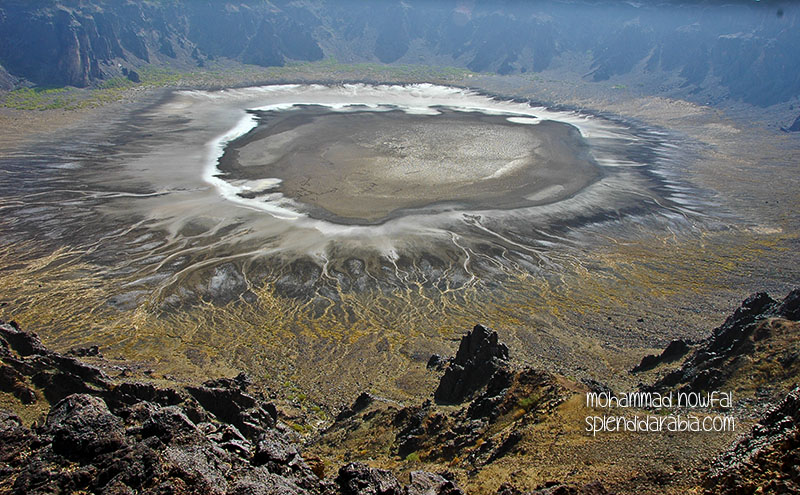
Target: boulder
[[24, 343], [272, 447], [82, 428], [359, 479], [362, 402], [128, 393], [170, 423], [89, 351], [790, 307], [425, 483], [557, 488], [228, 400], [436, 362]]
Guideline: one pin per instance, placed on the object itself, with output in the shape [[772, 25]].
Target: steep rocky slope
[[105, 436], [493, 427], [757, 347], [766, 460]]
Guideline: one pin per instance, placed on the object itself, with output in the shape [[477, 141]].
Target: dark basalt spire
[[479, 356]]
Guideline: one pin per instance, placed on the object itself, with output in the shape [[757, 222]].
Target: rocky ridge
[[482, 407], [760, 324], [757, 347]]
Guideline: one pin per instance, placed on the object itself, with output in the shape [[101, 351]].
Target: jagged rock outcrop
[[357, 478], [436, 362], [57, 375], [229, 401], [479, 356], [484, 430], [361, 402], [102, 436], [144, 448], [766, 460], [674, 351], [13, 381], [716, 358]]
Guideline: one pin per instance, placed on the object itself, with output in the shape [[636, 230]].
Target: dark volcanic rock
[[479, 356], [273, 448], [425, 483], [58, 385], [228, 400], [506, 446], [766, 460], [89, 351], [361, 403], [597, 387], [24, 343], [715, 359], [436, 362], [129, 393], [790, 307], [82, 427], [489, 428], [730, 336], [240, 382], [12, 381], [359, 479], [15, 439], [556, 488], [433, 434], [593, 488], [58, 375], [170, 423], [139, 438], [75, 367], [674, 351]]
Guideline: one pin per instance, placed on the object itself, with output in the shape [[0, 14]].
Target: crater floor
[[364, 166], [179, 232]]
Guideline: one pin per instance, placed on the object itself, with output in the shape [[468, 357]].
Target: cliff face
[[79, 42], [709, 51]]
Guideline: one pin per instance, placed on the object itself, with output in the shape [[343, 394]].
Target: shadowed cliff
[[704, 51]]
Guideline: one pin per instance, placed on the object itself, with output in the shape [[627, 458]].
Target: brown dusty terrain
[[518, 431]]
